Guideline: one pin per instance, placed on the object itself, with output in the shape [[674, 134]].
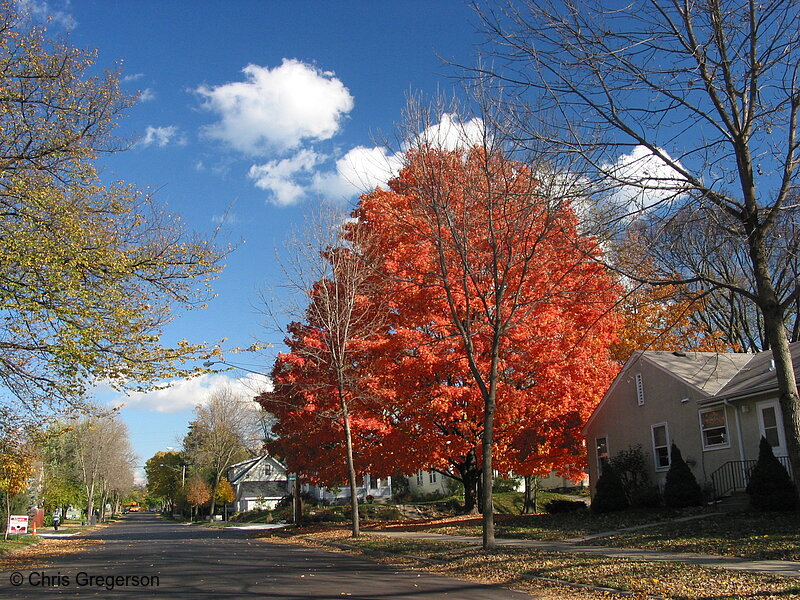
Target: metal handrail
[[735, 474]]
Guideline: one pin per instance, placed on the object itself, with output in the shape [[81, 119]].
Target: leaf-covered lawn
[[557, 527], [545, 574], [765, 536]]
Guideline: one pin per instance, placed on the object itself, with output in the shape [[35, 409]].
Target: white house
[[259, 483]]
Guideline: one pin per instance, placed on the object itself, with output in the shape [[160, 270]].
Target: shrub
[[631, 466], [501, 484], [770, 487], [555, 507], [681, 488], [609, 494]]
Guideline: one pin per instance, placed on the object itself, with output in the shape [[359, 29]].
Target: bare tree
[[223, 429], [103, 459], [329, 270], [703, 96]]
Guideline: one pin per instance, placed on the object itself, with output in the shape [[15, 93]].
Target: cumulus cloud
[[641, 179], [288, 179], [363, 169], [276, 110], [43, 12], [161, 136], [146, 95], [451, 134], [185, 394]]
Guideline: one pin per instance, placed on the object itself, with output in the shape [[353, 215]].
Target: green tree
[[770, 487], [89, 273], [681, 488], [165, 472], [609, 495]]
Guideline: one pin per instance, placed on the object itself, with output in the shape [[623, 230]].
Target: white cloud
[[42, 11], [641, 179], [185, 394], [161, 136], [451, 134], [363, 169], [146, 95], [277, 109], [287, 179], [132, 77]]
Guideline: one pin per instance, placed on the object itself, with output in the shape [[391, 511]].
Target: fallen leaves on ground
[[38, 556], [546, 574]]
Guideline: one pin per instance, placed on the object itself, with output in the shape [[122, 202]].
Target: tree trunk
[[775, 330], [488, 439], [470, 475], [351, 473]]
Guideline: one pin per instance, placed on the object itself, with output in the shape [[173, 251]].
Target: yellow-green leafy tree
[[16, 468], [90, 271]]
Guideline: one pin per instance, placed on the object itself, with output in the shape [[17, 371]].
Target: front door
[[770, 423]]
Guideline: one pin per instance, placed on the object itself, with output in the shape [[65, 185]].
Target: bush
[[631, 466], [609, 494], [681, 488], [501, 484], [646, 497], [555, 507], [770, 487]]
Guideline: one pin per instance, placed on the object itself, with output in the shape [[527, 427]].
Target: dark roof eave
[[743, 395]]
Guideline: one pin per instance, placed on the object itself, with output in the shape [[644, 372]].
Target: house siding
[[624, 422]]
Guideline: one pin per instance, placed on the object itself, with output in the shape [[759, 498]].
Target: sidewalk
[[773, 567]]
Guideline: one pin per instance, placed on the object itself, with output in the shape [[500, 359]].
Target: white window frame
[[781, 448], [419, 478], [432, 476], [727, 442], [639, 389], [665, 425]]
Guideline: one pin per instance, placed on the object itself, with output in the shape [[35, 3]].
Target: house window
[[601, 445], [661, 446], [432, 477], [639, 390], [419, 478], [770, 418], [714, 428]]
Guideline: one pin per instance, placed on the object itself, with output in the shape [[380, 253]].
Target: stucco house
[[714, 406], [259, 483]]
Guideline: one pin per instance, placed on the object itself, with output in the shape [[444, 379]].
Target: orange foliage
[[463, 249]]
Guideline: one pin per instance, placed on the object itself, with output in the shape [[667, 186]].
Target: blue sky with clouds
[[248, 113]]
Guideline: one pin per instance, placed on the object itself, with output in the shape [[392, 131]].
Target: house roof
[[240, 469], [758, 374], [262, 489], [706, 371]]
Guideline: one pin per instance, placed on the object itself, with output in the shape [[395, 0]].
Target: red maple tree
[[500, 316]]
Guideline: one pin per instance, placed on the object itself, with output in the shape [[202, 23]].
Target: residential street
[[180, 561]]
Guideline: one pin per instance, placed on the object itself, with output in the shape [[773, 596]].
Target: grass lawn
[[765, 536], [15, 542], [547, 574]]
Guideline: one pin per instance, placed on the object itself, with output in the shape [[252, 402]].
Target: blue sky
[[249, 113]]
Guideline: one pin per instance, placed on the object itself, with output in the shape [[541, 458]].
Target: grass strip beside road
[[548, 574], [17, 542]]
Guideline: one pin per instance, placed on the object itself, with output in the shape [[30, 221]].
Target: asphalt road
[[145, 557]]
